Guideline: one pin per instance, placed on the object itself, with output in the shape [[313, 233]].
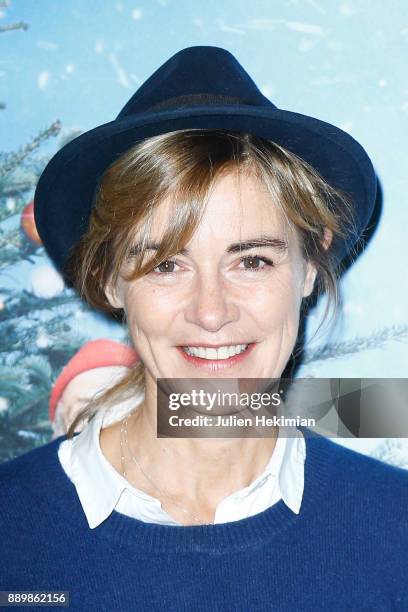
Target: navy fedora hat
[[199, 87]]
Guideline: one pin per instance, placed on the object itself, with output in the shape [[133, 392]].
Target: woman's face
[[215, 310]]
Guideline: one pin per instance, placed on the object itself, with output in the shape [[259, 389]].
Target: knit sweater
[[347, 549]]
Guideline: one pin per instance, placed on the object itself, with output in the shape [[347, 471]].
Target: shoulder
[[30, 474], [361, 466], [356, 501], [40, 512], [37, 498], [375, 487], [32, 459]]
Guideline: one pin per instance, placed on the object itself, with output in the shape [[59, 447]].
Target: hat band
[[197, 99]]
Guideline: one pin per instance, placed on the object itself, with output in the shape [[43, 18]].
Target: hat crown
[[197, 88], [200, 75]]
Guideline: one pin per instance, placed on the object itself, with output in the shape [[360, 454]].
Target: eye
[[165, 267], [253, 262]]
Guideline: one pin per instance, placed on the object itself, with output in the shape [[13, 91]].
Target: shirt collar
[[100, 486], [291, 469], [286, 466]]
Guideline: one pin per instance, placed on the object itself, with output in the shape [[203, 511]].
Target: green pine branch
[[19, 25], [356, 345], [18, 184], [21, 304], [15, 247], [15, 189], [23, 339], [11, 161]]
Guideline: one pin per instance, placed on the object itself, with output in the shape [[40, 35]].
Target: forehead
[[238, 205]]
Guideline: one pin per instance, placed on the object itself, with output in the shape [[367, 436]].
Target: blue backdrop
[[341, 61]]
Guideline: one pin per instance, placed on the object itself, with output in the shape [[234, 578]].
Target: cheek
[[279, 303], [149, 310]]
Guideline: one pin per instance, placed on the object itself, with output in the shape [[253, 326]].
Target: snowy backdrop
[[68, 66]]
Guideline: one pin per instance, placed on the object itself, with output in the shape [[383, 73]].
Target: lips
[[216, 357]]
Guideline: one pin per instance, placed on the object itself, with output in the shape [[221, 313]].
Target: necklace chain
[[124, 436]]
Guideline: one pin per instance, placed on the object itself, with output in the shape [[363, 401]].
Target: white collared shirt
[[101, 489]]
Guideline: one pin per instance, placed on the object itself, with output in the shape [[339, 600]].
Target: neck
[[199, 471], [203, 468]]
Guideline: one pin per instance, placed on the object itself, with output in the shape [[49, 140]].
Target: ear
[[328, 237], [113, 296], [311, 273]]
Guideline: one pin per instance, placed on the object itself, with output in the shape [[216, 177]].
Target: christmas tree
[[37, 337], [39, 315]]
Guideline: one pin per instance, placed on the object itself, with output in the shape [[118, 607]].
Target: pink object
[[94, 354]]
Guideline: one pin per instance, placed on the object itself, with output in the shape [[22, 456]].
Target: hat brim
[[65, 192]]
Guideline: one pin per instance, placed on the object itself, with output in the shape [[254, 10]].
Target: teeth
[[223, 352]]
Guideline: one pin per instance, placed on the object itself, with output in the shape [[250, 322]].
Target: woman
[[205, 218]]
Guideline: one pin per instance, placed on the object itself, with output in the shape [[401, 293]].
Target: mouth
[[216, 357]]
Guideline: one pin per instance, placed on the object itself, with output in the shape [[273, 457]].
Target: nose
[[211, 305]]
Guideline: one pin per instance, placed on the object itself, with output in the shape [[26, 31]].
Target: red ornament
[[28, 224]]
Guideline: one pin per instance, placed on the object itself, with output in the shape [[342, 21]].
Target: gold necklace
[[124, 436]]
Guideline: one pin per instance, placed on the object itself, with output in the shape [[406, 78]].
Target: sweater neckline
[[220, 538]]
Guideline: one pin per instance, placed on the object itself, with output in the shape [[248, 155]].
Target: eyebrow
[[235, 247]]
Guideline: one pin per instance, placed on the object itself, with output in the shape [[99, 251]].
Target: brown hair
[[185, 166]]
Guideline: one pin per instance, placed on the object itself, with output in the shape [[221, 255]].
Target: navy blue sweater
[[346, 550]]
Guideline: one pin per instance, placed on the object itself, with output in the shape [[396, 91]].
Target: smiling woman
[[208, 241], [204, 218]]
